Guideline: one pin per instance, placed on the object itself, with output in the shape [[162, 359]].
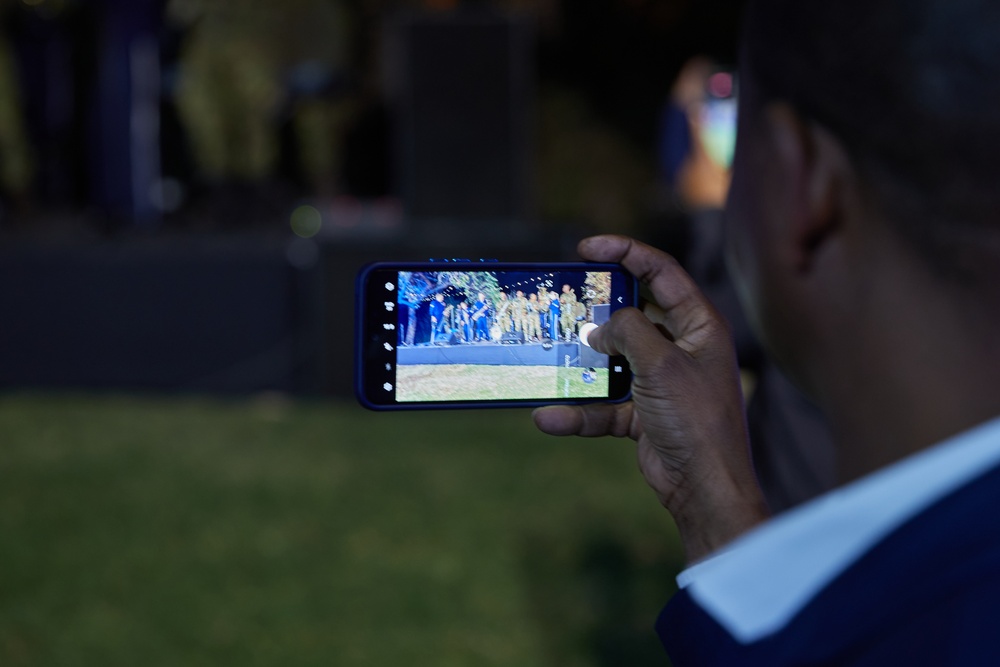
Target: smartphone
[[460, 334]]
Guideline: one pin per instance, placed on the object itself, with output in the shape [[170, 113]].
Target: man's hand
[[686, 412]]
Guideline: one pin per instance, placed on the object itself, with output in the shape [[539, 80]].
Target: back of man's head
[[912, 90]]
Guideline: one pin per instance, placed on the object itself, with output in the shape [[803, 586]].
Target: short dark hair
[[912, 90]]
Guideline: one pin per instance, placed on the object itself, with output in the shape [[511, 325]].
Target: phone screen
[[460, 335]]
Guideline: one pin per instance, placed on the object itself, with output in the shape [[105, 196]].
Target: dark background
[[188, 188]]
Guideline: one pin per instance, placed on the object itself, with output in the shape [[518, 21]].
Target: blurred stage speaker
[[453, 339], [462, 90], [184, 315]]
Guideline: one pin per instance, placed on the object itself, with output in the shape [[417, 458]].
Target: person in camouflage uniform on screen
[[519, 307], [567, 308], [504, 315], [531, 329]]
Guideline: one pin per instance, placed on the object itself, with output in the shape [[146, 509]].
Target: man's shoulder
[[929, 593]]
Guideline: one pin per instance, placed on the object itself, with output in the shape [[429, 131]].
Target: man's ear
[[815, 165]]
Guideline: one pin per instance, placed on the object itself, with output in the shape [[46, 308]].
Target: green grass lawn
[[262, 532]]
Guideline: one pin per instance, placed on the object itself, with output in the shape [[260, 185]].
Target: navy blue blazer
[[927, 594]]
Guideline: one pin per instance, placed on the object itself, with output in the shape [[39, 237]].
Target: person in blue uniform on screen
[[554, 315], [463, 322], [439, 325], [480, 318]]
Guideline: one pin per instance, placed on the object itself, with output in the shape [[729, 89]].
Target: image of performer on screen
[[503, 313], [463, 321], [554, 315], [480, 318], [567, 307], [439, 324]]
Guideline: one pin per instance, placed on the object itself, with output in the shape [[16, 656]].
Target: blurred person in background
[[863, 228], [85, 76], [246, 67], [694, 167], [41, 110], [16, 161], [792, 449]]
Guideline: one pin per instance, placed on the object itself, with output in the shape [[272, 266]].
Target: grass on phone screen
[[469, 382]]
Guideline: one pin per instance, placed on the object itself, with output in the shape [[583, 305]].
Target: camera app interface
[[500, 335]]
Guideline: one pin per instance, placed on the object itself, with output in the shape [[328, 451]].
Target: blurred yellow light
[[306, 221]]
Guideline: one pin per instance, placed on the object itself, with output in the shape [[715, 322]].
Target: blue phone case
[[440, 335]]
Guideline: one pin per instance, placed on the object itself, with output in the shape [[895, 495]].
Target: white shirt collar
[[758, 583]]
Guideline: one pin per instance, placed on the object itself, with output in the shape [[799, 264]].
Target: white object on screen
[[585, 332]]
